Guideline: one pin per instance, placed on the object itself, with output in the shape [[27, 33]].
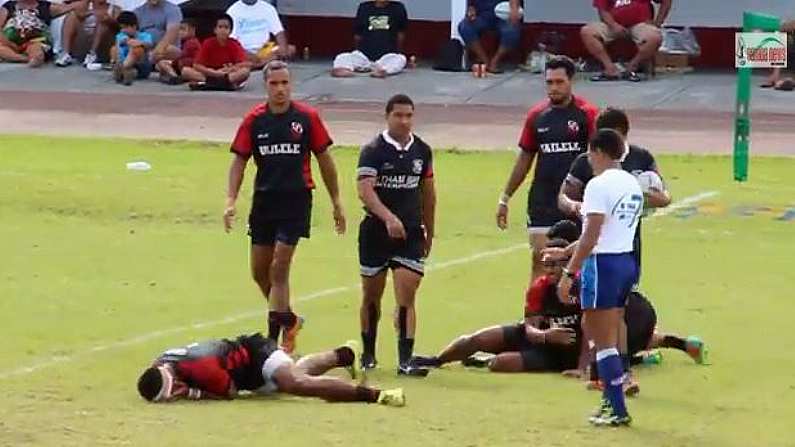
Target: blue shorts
[[607, 280]]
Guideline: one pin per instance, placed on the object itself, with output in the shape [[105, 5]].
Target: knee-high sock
[[405, 344], [273, 325], [370, 335], [611, 372], [672, 341]]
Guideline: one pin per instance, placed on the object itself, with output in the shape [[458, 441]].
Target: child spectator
[[132, 48], [221, 63], [171, 70]]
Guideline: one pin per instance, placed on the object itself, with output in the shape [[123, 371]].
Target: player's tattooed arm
[[590, 236], [554, 335], [658, 199], [570, 197]]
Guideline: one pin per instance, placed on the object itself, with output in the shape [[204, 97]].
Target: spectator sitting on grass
[[132, 48], [221, 63], [171, 70]]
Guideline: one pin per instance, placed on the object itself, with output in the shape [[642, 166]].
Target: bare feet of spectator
[[786, 85], [342, 73], [167, 73], [773, 79], [378, 72], [9, 55], [494, 68]]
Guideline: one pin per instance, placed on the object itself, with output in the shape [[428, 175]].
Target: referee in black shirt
[[395, 184]]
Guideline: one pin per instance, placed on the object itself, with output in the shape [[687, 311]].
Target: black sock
[[625, 362], [594, 372], [405, 350], [671, 341], [369, 337], [345, 356], [287, 319], [405, 344], [273, 326], [364, 394], [636, 360], [369, 345]]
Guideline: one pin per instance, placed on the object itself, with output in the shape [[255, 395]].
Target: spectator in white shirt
[[258, 28]]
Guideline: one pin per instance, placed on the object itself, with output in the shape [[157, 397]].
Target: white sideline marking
[[55, 360], [687, 201]]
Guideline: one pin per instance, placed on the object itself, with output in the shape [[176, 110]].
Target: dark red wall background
[[327, 36]]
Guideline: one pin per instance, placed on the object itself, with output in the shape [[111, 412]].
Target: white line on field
[[55, 360], [687, 201], [310, 297]]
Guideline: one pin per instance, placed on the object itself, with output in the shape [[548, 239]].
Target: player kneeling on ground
[[218, 369]]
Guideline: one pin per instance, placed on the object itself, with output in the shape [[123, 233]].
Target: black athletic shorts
[[542, 218], [259, 349], [641, 321], [280, 217], [378, 252], [542, 208], [538, 358]]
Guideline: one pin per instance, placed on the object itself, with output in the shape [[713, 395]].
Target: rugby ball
[[649, 180], [503, 11]]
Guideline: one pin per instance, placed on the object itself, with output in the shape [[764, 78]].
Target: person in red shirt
[[625, 19], [170, 70], [221, 63]]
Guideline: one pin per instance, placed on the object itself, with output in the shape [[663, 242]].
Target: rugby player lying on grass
[[218, 369]]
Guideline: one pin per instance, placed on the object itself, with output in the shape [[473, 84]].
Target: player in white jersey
[[612, 203]]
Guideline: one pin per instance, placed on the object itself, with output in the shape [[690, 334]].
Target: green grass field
[[102, 268]]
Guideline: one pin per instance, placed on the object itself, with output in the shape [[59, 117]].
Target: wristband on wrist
[[504, 198]]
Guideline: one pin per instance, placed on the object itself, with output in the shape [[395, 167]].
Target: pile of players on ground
[[584, 316]]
